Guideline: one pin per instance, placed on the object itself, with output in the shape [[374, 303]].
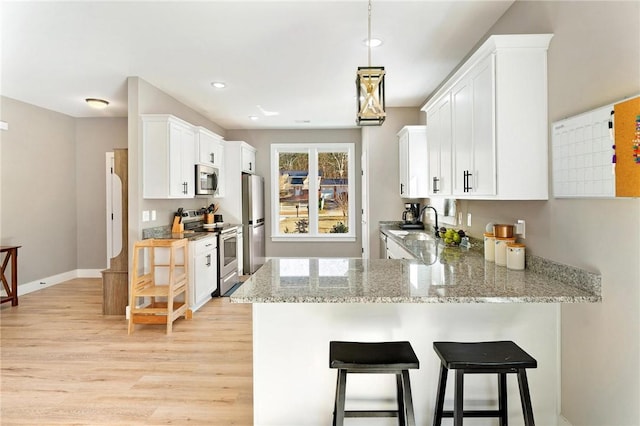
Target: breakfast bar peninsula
[[301, 304]]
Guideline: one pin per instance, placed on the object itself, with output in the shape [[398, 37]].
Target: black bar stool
[[483, 357], [378, 358]]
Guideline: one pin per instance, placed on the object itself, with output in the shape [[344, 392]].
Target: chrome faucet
[[435, 227]]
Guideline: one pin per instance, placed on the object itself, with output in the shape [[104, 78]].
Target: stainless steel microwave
[[206, 180]]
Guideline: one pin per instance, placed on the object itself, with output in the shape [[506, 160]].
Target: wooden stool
[[165, 282], [378, 358], [10, 289], [498, 358]]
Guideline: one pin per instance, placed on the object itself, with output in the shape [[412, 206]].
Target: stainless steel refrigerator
[[253, 222]]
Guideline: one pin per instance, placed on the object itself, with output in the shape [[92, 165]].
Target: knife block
[[177, 226]]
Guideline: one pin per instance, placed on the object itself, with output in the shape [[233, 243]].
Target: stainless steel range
[[227, 258], [227, 262]]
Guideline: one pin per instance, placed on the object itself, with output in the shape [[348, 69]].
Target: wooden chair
[[163, 282]]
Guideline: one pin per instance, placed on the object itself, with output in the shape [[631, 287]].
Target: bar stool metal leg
[[400, 398], [502, 399], [341, 387], [458, 399], [525, 398], [442, 383], [408, 399]]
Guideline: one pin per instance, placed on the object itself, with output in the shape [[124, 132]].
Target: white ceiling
[[298, 58]]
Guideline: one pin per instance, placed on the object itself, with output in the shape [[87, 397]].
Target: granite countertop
[[438, 275], [164, 233]]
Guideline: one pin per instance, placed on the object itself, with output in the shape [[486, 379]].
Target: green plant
[[302, 226], [339, 228]]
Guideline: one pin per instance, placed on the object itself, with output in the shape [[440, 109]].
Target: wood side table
[[11, 255]]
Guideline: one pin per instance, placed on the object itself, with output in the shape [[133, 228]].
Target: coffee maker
[[411, 217]]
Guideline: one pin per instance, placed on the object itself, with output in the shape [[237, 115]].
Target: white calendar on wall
[[582, 155]]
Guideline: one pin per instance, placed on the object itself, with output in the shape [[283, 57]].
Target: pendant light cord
[[369, 34]]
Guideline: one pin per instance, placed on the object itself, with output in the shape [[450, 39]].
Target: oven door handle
[[227, 279]]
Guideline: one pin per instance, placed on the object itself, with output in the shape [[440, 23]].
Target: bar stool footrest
[[370, 413], [475, 413]]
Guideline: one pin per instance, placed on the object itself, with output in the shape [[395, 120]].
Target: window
[[312, 192]]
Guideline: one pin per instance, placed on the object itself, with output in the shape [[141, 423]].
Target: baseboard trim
[[36, 285], [562, 421]]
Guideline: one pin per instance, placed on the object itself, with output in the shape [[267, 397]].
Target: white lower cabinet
[[395, 251], [203, 271]]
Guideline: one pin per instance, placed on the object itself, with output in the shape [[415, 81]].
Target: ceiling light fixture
[[374, 42], [218, 85], [97, 103], [370, 89]]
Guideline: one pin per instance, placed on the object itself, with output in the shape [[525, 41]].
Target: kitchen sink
[[412, 236], [418, 236]]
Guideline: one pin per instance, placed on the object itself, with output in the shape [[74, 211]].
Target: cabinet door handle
[[250, 165], [184, 187], [467, 181], [213, 157], [435, 185], [401, 188], [208, 260]]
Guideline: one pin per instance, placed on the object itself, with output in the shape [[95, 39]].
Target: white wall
[[593, 60]]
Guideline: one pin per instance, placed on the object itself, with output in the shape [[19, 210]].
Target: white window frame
[[312, 149]]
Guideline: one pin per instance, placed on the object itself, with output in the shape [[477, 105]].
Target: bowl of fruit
[[451, 237]]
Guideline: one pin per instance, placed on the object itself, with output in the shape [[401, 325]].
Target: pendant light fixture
[[370, 90]]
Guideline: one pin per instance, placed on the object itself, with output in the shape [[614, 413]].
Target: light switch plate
[[145, 215], [520, 228]]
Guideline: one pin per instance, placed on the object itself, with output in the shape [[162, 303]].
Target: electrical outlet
[[520, 228], [469, 219], [153, 215], [145, 215]]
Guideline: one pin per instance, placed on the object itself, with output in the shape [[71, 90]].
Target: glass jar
[[501, 250], [489, 247], [515, 256]]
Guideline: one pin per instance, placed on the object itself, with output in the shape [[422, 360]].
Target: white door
[[114, 210]]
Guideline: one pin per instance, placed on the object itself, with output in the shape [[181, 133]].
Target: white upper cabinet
[[412, 141], [248, 158], [439, 147], [168, 157], [472, 131], [210, 148], [498, 129]]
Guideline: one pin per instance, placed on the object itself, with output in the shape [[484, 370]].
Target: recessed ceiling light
[[375, 42], [218, 85], [253, 117], [97, 103]]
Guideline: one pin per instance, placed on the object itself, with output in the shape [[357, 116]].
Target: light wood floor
[[63, 363]]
